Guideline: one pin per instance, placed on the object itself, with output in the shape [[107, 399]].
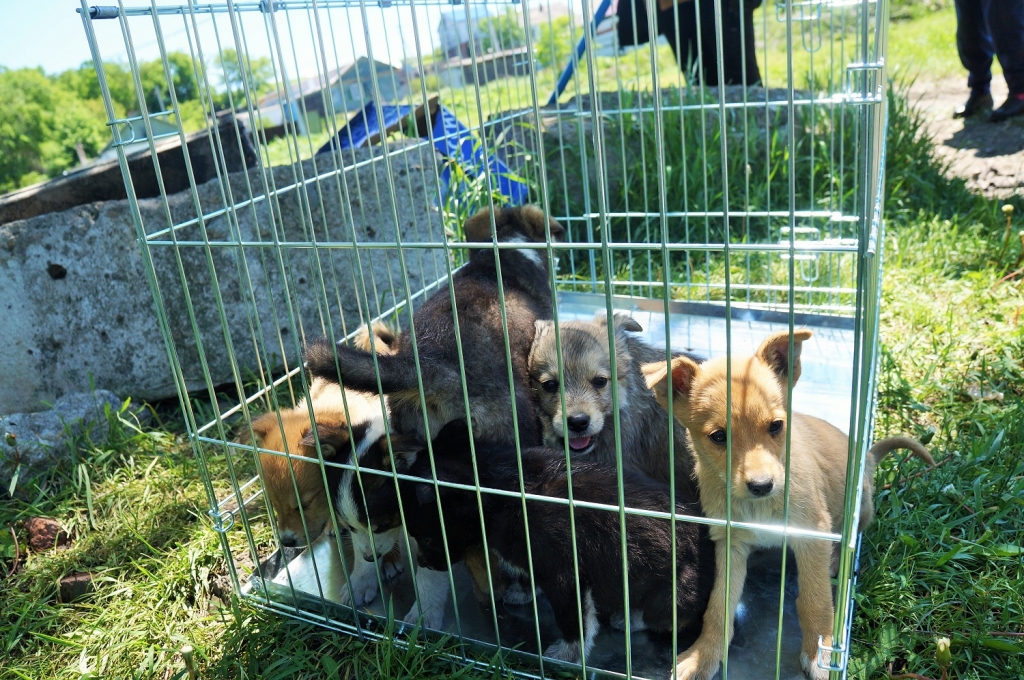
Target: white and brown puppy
[[817, 481], [527, 297], [296, 489], [588, 423]]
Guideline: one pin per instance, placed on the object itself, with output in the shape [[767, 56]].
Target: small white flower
[[950, 490]]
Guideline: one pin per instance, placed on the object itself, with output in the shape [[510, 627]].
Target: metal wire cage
[[344, 143]]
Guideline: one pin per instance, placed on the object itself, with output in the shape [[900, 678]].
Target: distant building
[[455, 29], [458, 72], [346, 89]]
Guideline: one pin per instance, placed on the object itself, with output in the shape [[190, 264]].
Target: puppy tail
[[885, 446], [354, 369]]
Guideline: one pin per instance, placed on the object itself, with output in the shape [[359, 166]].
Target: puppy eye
[[599, 382], [550, 385], [775, 427], [718, 436]]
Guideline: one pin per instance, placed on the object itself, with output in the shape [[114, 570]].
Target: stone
[[45, 533], [103, 180], [239, 308], [75, 586], [34, 443]]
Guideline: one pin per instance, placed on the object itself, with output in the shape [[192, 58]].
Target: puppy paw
[[516, 594], [809, 662], [433, 617], [564, 651], [696, 664], [363, 579], [391, 570]]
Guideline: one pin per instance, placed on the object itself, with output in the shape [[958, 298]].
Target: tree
[[85, 85], [41, 121], [258, 72], [183, 78], [502, 32], [555, 46]]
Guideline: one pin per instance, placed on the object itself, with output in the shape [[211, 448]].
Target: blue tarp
[[452, 139]]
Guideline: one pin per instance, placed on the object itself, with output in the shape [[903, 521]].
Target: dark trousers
[[739, 54], [991, 27]]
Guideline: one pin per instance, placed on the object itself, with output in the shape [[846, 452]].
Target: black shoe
[[1013, 106], [980, 100]]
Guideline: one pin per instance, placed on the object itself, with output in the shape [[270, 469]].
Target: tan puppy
[[290, 430], [817, 483]]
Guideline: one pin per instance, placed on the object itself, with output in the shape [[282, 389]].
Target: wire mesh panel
[[420, 406]]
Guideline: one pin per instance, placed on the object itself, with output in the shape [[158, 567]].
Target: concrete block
[[77, 304]]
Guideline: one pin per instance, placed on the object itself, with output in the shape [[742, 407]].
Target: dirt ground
[[990, 156]]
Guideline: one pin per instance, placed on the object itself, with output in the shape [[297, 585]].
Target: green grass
[[943, 556]]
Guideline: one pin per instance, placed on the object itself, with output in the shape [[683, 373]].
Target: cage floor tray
[[824, 391]]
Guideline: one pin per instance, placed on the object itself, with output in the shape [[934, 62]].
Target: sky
[[49, 34]]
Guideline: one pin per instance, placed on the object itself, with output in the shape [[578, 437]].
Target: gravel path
[[990, 156]]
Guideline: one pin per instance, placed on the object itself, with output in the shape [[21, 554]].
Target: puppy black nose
[[578, 421], [288, 540], [761, 488]]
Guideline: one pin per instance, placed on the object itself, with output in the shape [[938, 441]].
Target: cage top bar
[[107, 12]]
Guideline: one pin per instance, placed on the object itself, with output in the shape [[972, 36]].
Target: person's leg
[[1005, 20], [976, 50], [973, 42], [679, 26], [749, 46], [708, 41]]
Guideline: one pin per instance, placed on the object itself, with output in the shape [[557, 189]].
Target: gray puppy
[[589, 426], [527, 294]]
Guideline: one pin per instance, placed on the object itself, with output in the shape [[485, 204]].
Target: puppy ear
[[478, 227], [681, 377], [261, 427], [621, 320], [536, 225], [333, 438], [774, 353]]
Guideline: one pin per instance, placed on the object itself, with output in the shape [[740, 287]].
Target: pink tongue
[[579, 443]]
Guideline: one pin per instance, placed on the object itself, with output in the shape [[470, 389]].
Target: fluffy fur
[[817, 470], [291, 484], [648, 549], [527, 294], [587, 385]]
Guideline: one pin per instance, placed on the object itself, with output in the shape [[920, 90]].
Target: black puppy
[[648, 540], [527, 291]]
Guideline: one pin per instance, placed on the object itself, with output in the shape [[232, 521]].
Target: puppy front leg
[[431, 598], [814, 603], [570, 648], [701, 661], [363, 579]]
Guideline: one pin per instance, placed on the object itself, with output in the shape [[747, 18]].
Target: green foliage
[[501, 32], [238, 71], [554, 48], [155, 84], [40, 124]]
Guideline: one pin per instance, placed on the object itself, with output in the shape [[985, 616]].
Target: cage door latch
[[223, 520], [825, 653], [864, 82]]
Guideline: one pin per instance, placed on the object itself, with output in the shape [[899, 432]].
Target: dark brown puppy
[[648, 540], [527, 292]]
